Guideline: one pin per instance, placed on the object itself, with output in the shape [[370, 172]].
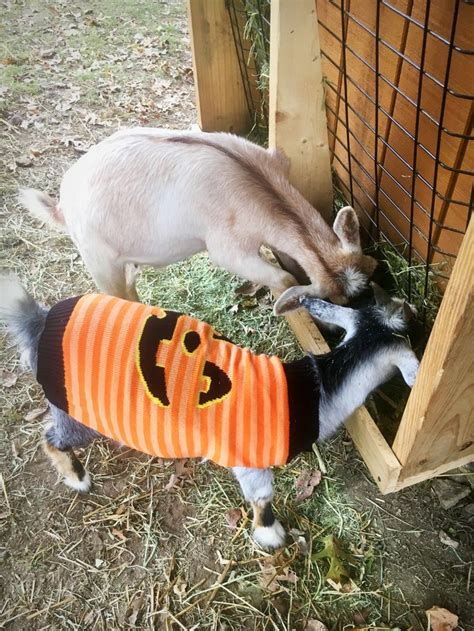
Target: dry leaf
[[119, 534], [338, 571], [441, 619], [274, 570], [315, 625], [299, 539], [132, 613], [8, 379], [24, 161], [306, 482], [179, 588], [446, 539], [233, 516], [36, 413]]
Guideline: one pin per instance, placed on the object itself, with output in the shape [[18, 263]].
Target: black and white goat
[[373, 348]]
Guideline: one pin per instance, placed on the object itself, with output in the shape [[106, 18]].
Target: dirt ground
[[163, 545]]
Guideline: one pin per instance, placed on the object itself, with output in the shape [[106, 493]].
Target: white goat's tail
[[25, 318], [43, 207]]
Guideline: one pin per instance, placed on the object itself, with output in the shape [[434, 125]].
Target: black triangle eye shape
[[219, 385]]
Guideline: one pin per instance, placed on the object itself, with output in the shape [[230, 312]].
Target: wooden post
[[436, 432], [220, 94], [297, 122]]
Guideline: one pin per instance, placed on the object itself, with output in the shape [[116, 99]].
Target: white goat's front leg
[[257, 487], [249, 265]]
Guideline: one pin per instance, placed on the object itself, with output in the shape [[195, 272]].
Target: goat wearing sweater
[[169, 385]]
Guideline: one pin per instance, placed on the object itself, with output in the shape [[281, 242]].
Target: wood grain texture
[[437, 429], [297, 116], [374, 449], [220, 95]]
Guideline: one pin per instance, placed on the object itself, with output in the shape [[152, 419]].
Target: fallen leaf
[[338, 571], [306, 483], [119, 534], [446, 539], [174, 483], [299, 539], [179, 588], [233, 516], [441, 619], [360, 617], [315, 625], [133, 611], [8, 379], [36, 413], [274, 569], [24, 161]]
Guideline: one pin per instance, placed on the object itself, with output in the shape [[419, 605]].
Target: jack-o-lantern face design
[[156, 339]]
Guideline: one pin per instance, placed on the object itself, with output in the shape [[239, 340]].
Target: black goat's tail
[[24, 317]]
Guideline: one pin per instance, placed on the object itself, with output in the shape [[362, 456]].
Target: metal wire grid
[[250, 22], [240, 11], [381, 142]]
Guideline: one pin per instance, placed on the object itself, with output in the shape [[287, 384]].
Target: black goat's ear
[[409, 311], [343, 317], [382, 298]]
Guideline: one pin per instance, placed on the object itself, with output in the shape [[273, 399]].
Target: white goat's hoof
[[270, 536], [82, 486]]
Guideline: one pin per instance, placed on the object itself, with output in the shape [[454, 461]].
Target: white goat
[[148, 196], [312, 396]]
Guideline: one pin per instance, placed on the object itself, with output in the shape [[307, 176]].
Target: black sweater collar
[[303, 383]]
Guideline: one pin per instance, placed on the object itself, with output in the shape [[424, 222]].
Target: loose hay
[[131, 553]]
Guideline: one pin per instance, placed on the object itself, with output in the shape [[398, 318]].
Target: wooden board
[[297, 117], [436, 432], [220, 94], [374, 449]]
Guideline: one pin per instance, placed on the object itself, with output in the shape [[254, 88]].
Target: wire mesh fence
[[399, 82]]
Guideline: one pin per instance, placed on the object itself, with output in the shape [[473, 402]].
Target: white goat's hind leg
[[108, 271], [257, 487], [251, 266]]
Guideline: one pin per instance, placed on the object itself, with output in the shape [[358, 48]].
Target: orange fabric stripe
[[129, 379], [279, 450], [99, 339], [266, 389], [70, 346], [107, 372], [116, 393], [81, 356]]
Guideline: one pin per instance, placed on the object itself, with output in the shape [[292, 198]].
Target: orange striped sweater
[[169, 385]]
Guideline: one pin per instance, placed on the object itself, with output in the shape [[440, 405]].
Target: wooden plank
[[374, 449], [220, 94], [297, 116], [437, 429]]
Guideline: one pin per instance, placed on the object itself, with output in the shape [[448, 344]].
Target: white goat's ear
[[346, 227], [289, 300], [408, 364], [329, 313]]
